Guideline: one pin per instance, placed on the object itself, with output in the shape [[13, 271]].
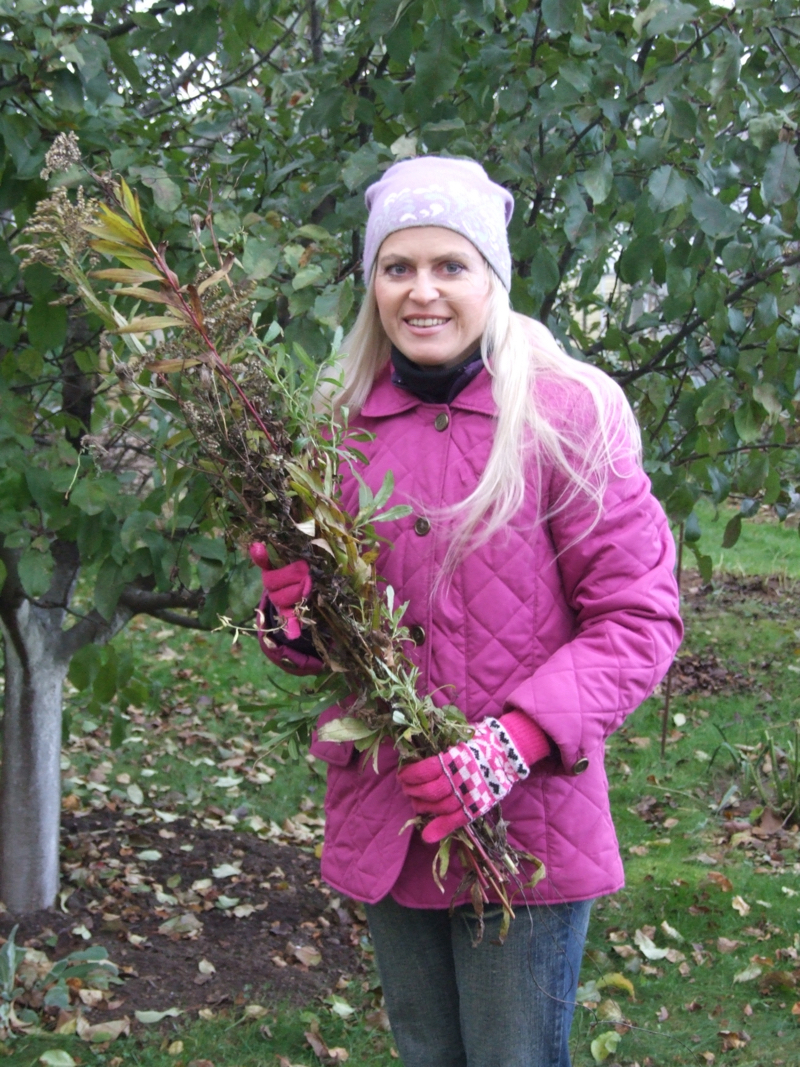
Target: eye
[[453, 267], [396, 270]]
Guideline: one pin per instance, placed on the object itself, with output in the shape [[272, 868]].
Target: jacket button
[[422, 526], [417, 634], [287, 662], [442, 421], [580, 766]]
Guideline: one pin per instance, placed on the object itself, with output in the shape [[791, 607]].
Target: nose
[[424, 289]]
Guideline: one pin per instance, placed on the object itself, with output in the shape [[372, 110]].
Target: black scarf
[[434, 385]]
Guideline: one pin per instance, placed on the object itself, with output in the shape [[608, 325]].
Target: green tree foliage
[[652, 150]]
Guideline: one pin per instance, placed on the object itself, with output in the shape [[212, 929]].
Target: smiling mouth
[[419, 322]]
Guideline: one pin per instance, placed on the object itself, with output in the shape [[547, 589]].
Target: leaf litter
[[295, 936]]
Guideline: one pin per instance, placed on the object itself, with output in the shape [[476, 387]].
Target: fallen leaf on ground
[[175, 1048], [748, 974], [725, 945], [255, 1011], [187, 925], [740, 904], [340, 1007], [66, 1022], [616, 981], [647, 947], [91, 997], [609, 1011], [720, 881], [628, 952], [226, 870], [106, 1031], [733, 1039], [670, 931], [206, 967], [307, 955], [156, 1016], [331, 1056], [224, 902], [605, 1045], [674, 955], [704, 858], [56, 1057], [379, 1020], [318, 1046], [770, 823]]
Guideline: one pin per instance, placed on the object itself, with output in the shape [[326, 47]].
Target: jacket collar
[[387, 399]]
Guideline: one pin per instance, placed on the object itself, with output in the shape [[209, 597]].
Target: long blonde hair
[[519, 358]]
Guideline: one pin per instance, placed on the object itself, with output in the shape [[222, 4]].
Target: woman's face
[[432, 290]]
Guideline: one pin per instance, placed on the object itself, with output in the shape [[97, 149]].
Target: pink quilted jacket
[[573, 629]]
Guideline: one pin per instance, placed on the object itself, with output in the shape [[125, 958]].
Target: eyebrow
[[395, 257]]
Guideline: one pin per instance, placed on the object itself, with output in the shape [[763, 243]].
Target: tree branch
[[631, 98], [265, 58], [151, 106], [550, 298], [134, 600], [126, 27], [148, 602], [688, 328], [93, 629], [788, 61], [174, 619], [768, 446], [315, 31]]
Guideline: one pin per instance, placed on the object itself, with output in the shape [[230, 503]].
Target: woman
[[537, 569]]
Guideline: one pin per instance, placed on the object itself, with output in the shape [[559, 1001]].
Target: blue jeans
[[453, 1004]]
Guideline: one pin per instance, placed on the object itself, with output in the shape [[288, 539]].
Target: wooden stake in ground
[[668, 687]]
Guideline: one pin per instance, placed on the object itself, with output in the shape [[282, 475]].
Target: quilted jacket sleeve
[[618, 579]]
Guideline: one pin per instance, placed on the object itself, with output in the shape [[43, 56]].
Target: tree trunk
[[37, 655], [30, 784]]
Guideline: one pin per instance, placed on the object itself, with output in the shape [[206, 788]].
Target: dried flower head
[[56, 227], [62, 154]]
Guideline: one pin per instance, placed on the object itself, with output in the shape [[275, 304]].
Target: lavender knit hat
[[456, 194]]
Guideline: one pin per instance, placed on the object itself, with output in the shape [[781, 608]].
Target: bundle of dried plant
[[273, 462]]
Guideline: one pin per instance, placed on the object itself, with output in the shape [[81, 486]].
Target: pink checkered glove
[[285, 587], [467, 780]]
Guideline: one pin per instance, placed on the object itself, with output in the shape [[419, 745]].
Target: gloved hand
[[467, 780], [285, 587]]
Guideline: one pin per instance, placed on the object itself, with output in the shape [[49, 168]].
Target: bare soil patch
[[293, 941]]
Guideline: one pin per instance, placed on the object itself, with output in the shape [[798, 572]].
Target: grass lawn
[[696, 961]]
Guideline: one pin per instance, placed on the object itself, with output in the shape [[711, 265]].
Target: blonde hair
[[520, 355]]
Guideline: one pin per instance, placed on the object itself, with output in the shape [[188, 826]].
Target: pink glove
[[467, 780], [285, 587]]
